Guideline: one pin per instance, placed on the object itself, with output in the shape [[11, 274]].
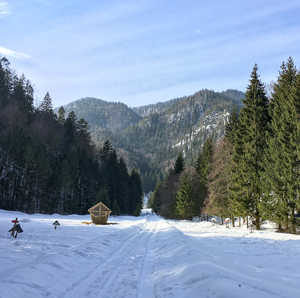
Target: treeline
[[182, 193], [254, 171], [256, 168], [48, 162]]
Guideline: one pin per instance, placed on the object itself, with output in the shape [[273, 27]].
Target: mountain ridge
[[150, 137]]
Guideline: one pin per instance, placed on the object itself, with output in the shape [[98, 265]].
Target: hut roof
[[99, 207]]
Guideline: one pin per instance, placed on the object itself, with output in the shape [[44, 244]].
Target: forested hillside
[[150, 137], [48, 163], [253, 172]]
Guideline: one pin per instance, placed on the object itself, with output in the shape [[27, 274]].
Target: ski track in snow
[[107, 280], [144, 257]]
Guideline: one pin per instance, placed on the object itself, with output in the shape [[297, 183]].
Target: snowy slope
[[144, 257]]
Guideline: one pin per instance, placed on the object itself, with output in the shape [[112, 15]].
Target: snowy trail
[[118, 276], [144, 257]]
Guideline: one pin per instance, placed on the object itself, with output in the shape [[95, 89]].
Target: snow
[[144, 257]]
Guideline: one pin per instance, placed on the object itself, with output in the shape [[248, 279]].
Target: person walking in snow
[[56, 224], [16, 228]]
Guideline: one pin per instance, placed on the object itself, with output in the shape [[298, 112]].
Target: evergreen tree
[[46, 104], [155, 199], [135, 193], [184, 201], [49, 164], [5, 82], [232, 126], [282, 153], [249, 149], [179, 164], [203, 164], [61, 115]]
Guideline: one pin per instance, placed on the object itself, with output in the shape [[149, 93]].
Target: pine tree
[[5, 82], [61, 115], [203, 164], [232, 125], [184, 201], [135, 193], [282, 153], [46, 104], [249, 149], [179, 164]]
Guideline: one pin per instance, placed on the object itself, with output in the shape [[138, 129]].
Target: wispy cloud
[[13, 54], [4, 8]]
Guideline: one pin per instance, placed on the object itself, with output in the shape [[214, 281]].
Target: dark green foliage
[[203, 164], [257, 172], [184, 201], [135, 193], [282, 154], [164, 196], [179, 164], [232, 126], [50, 165], [61, 115], [46, 105], [249, 144], [190, 195], [151, 137]]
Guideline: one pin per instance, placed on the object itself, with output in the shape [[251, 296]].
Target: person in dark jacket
[[16, 228]]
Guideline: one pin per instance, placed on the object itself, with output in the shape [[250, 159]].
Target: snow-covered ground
[[144, 257]]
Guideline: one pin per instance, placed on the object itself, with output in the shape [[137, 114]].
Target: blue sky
[[141, 52]]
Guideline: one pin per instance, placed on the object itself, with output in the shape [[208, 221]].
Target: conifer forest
[[253, 171], [50, 164]]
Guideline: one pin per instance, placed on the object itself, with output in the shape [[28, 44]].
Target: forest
[[253, 172], [48, 163]]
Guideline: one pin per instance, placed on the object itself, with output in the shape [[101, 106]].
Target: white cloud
[[4, 8], [13, 54]]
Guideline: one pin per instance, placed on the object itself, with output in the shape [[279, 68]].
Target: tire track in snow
[[124, 273], [43, 255], [84, 284], [145, 285]]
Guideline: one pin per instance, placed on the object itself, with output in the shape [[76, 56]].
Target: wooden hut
[[99, 213]]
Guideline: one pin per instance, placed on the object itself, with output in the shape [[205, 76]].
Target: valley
[[150, 138]]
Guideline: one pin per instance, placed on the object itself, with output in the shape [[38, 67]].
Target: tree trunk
[[293, 221], [257, 221], [287, 222]]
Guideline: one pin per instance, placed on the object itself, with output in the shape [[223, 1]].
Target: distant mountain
[[150, 137], [231, 94], [111, 116]]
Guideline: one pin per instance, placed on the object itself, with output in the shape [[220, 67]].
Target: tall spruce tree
[[249, 145], [184, 201], [282, 153], [135, 193], [203, 164]]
